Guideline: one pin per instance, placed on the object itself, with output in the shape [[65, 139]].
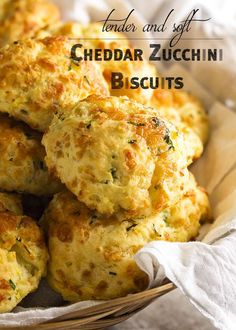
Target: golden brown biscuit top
[[144, 122]]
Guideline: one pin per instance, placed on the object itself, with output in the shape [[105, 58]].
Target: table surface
[[170, 312]]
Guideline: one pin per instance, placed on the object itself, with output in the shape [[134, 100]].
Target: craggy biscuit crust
[[38, 77], [115, 154], [20, 19]]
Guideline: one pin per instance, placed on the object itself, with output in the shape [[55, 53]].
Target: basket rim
[[105, 314], [113, 304]]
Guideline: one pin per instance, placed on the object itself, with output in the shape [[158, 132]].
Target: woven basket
[[106, 314]]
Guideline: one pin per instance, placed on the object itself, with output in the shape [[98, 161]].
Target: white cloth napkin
[[204, 271]]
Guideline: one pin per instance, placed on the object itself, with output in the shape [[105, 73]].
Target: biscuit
[[92, 256], [23, 256], [21, 19], [22, 166], [115, 154], [38, 77]]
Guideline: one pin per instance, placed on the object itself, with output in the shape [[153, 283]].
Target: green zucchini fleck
[[12, 284]]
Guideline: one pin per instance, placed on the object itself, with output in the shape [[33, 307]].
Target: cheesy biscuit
[[23, 256], [21, 19], [22, 166], [115, 154], [38, 77], [92, 256]]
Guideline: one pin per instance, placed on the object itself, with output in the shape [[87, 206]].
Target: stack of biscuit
[[113, 163]]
